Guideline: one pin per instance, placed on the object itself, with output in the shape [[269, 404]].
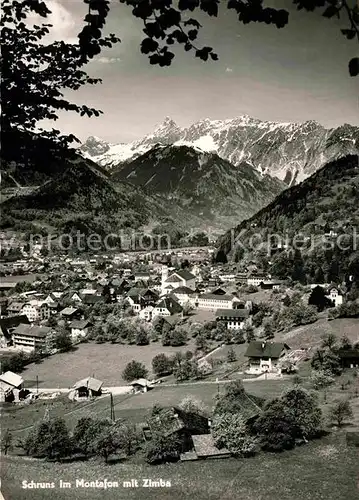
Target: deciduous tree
[[134, 370], [229, 431], [340, 411]]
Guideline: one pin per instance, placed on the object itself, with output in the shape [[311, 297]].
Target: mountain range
[[290, 152], [200, 183], [169, 186], [211, 175]]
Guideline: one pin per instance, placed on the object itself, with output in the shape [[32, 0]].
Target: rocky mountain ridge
[[289, 151], [201, 183]]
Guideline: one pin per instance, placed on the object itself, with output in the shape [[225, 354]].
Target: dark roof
[[183, 274], [273, 282], [218, 291], [183, 289], [173, 279], [232, 313], [80, 324], [186, 275], [258, 349], [15, 306], [171, 320], [116, 282], [32, 330], [213, 296], [173, 419], [170, 304], [92, 299], [348, 353], [141, 292], [89, 383]]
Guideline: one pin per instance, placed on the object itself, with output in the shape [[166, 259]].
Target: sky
[[294, 74]]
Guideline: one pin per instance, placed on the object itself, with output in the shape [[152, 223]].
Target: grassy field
[[19, 419], [322, 470], [310, 335], [104, 361]]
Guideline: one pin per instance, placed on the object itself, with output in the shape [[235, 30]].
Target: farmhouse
[[146, 313], [70, 313], [88, 387], [263, 356], [14, 308], [91, 300], [349, 357], [235, 319], [139, 298], [335, 296], [166, 307], [75, 297], [79, 328], [272, 284], [53, 297], [28, 337], [141, 385], [119, 286], [11, 386], [173, 421]]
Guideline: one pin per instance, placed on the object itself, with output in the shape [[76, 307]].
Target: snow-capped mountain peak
[[288, 151]]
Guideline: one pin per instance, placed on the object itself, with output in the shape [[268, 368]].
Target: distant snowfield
[[205, 143]]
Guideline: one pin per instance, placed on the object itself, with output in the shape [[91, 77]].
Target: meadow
[[322, 470], [311, 335], [133, 407], [105, 362]]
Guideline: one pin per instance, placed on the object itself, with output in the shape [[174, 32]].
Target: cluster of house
[[159, 291], [179, 289], [25, 324], [162, 291]]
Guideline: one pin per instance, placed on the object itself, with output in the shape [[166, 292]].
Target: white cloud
[[64, 25], [229, 70], [108, 60]]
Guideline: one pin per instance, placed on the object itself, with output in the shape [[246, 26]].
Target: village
[[175, 332]]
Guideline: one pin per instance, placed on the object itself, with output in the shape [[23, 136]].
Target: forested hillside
[[319, 217]]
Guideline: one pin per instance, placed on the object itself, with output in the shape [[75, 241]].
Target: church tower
[[164, 277]]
